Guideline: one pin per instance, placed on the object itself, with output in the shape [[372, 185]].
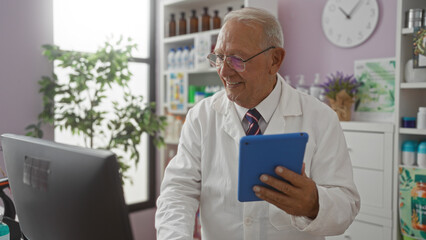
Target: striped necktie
[[253, 117]]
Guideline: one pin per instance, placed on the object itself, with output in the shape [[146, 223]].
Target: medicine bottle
[[193, 22], [421, 154], [205, 20], [172, 26], [418, 203], [182, 24], [216, 20], [421, 118], [409, 149]]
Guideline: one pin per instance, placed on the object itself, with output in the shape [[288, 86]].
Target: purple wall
[[308, 50], [24, 27]]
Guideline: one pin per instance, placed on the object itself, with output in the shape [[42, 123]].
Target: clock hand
[[343, 11], [354, 8]]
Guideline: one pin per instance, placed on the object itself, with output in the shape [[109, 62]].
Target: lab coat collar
[[289, 105]]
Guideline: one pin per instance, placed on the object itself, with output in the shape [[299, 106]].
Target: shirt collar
[[264, 107]]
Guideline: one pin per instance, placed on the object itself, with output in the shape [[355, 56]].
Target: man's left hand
[[299, 197]]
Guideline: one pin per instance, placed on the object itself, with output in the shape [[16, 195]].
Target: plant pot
[[342, 105]]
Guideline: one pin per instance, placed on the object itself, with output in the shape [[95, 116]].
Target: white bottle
[[421, 118], [171, 59], [421, 154], [316, 89], [178, 59], [178, 127], [192, 58], [287, 79], [301, 85], [185, 58]]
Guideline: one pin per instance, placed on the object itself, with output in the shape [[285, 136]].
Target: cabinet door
[[372, 172], [366, 149], [360, 230]]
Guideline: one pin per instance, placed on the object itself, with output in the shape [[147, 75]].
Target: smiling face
[[250, 87]]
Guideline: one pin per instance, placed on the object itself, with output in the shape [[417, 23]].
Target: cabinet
[[408, 97], [176, 86], [370, 148]]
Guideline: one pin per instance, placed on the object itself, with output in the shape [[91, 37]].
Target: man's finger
[[290, 176], [279, 185]]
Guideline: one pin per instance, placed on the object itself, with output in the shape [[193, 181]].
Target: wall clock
[[348, 23]]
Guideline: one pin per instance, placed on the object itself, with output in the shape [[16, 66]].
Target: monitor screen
[[65, 192]]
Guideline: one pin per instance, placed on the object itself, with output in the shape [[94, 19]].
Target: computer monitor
[[65, 192]]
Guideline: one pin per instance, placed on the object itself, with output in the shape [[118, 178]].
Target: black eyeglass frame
[[244, 61]]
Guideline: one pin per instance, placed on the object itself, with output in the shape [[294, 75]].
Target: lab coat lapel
[[231, 123], [289, 106]]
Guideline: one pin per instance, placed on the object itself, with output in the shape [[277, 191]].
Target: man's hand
[[299, 197]]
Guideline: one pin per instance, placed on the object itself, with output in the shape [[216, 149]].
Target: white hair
[[270, 25]]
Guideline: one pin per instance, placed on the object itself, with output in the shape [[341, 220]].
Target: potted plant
[[80, 104], [341, 91]]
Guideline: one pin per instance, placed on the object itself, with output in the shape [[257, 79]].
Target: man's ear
[[278, 55]]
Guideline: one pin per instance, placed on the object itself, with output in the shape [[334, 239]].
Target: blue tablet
[[261, 154]]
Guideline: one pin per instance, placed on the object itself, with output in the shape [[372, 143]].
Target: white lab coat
[[205, 170]]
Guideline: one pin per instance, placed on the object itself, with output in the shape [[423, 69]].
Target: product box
[[419, 47], [412, 202]]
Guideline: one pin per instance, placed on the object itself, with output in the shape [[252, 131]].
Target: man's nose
[[226, 69]]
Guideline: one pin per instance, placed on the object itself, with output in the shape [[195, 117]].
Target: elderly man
[[322, 201]]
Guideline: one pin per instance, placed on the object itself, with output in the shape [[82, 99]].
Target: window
[[82, 25]]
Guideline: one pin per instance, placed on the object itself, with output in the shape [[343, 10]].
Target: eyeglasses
[[235, 62]]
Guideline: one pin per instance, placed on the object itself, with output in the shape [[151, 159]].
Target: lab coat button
[[248, 221]]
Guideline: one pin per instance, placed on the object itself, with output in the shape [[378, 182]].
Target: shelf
[[189, 36], [193, 3], [413, 85], [407, 31], [171, 142], [367, 126], [412, 131], [198, 71]]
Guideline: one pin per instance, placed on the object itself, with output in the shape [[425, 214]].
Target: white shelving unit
[[202, 74], [408, 98]]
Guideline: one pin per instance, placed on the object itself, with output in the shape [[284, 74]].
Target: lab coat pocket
[[278, 218]]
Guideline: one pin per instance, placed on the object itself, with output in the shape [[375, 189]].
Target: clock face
[[348, 23]]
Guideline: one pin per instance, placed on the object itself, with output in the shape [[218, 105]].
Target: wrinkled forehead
[[236, 36]]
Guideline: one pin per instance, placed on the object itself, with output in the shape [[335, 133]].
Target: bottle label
[[418, 217]]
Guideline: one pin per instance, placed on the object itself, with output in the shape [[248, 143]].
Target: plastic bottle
[[172, 25], [205, 20], [421, 154], [178, 127], [171, 59], [418, 203], [409, 149], [287, 79], [193, 22], [421, 118], [4, 230], [301, 85], [185, 58], [192, 58], [178, 58], [216, 20], [182, 24], [316, 89]]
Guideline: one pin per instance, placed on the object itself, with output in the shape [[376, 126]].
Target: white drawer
[[366, 149], [371, 194], [360, 230]]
